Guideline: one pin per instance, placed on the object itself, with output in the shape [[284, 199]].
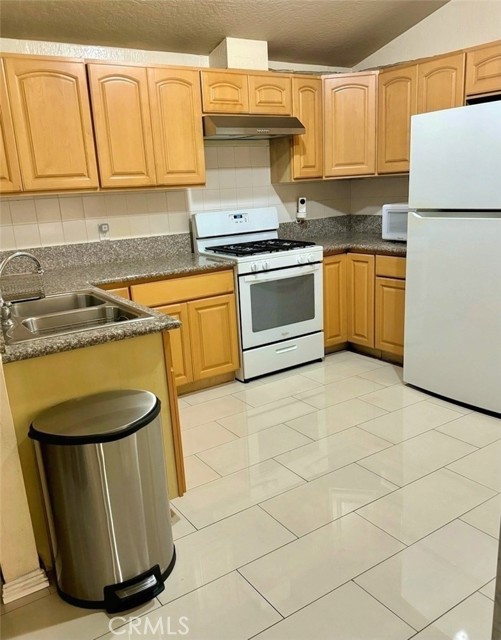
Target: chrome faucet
[[5, 306]]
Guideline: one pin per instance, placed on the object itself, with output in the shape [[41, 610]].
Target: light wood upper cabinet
[[52, 124], [224, 92], [350, 125], [308, 148], [270, 94], [301, 157], [176, 117], [335, 316], [441, 83], [121, 111], [360, 281], [213, 333], [397, 102], [483, 70], [10, 176]]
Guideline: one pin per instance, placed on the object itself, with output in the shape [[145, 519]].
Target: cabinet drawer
[[391, 267], [154, 294]]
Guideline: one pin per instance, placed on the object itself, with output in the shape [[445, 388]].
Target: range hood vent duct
[[249, 127]]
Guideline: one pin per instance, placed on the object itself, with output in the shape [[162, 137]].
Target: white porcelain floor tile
[[325, 499], [182, 404], [410, 421], [271, 391], [478, 429], [220, 391], [258, 447], [341, 370], [226, 609], [22, 602], [454, 406], [414, 458], [425, 505], [223, 547], [302, 571], [193, 416], [337, 616], [482, 466], [387, 376], [204, 437], [259, 418], [180, 526], [51, 618], [197, 472], [486, 517], [233, 493], [334, 452], [430, 577], [336, 392], [338, 417], [489, 589], [395, 397], [470, 619]]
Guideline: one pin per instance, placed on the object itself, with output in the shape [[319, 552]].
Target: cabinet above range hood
[[250, 127]]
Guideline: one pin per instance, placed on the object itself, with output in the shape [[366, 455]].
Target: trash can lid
[[100, 417]]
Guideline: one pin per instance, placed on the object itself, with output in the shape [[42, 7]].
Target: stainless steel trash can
[[103, 472]]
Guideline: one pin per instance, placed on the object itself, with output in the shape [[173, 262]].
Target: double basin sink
[[67, 313]]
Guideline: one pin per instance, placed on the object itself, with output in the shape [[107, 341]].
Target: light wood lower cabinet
[[360, 292], [335, 316], [206, 344], [390, 314]]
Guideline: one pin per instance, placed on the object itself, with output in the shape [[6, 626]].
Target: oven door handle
[[288, 272]]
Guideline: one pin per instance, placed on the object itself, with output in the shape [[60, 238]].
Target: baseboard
[[24, 585]]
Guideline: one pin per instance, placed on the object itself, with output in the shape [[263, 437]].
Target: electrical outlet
[[104, 231]]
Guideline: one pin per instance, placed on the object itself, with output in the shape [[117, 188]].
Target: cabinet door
[[397, 102], [180, 343], [123, 292], [307, 148], [335, 318], [390, 314], [213, 332], [270, 94], [360, 299], [121, 111], [10, 176], [441, 83], [176, 116], [350, 125], [51, 114], [224, 92], [483, 70]]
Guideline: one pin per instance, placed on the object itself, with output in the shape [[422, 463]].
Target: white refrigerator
[[453, 284]]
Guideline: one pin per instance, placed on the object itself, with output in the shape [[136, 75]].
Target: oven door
[[281, 304]]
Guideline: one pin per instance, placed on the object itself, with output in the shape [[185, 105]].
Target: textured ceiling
[[328, 32]]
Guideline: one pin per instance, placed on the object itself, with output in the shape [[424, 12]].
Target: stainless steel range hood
[[250, 127]]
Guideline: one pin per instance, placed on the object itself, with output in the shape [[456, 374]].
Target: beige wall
[[457, 25]]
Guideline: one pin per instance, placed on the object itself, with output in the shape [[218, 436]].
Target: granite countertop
[[76, 267], [75, 278]]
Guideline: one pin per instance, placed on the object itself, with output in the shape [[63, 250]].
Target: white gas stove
[[279, 287]]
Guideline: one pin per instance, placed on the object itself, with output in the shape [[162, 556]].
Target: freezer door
[[453, 306], [456, 159]]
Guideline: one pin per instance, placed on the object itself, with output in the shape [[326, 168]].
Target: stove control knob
[[301, 259], [254, 267], [265, 265], [311, 258]]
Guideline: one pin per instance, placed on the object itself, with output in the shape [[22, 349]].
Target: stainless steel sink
[[56, 304], [67, 313]]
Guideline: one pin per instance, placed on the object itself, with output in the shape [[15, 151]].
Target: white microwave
[[395, 218]]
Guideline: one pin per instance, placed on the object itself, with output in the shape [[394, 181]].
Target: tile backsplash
[[238, 175]]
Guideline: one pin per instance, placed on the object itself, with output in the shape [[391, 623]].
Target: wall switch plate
[[104, 231]]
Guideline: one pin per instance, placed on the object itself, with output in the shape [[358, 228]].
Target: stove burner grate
[[260, 246]]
